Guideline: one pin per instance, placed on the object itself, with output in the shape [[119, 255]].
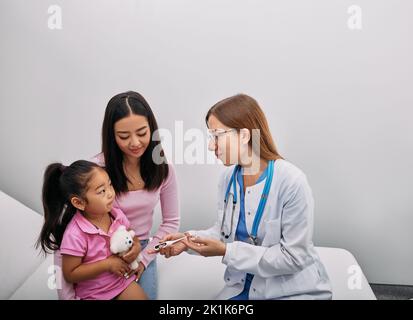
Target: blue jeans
[[149, 278]]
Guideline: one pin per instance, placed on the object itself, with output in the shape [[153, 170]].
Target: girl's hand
[[117, 266], [133, 252], [206, 247], [139, 271]]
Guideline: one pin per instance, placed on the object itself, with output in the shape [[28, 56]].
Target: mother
[[134, 159]]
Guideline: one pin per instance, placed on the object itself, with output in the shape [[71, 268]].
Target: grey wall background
[[339, 102]]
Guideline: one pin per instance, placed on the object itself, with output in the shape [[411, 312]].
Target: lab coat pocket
[[301, 282], [233, 277], [272, 234]]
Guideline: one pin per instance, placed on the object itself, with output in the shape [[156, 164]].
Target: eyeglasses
[[213, 134]]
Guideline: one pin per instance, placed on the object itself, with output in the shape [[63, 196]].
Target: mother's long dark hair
[[153, 174]]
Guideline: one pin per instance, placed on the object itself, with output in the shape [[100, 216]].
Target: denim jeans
[[149, 278]]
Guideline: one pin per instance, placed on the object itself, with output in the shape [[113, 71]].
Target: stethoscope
[[264, 196]]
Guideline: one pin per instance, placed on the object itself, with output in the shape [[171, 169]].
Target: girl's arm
[[74, 271]]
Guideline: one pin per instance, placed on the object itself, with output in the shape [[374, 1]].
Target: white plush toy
[[120, 243]]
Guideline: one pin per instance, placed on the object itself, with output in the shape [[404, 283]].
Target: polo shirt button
[[249, 213], [242, 280], [228, 279]]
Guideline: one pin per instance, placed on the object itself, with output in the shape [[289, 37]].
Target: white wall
[[339, 102]]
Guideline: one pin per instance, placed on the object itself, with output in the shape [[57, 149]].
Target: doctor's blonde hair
[[243, 112]]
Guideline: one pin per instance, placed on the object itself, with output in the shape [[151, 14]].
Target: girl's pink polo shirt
[[83, 239]]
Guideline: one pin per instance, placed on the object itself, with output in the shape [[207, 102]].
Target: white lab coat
[[285, 264]]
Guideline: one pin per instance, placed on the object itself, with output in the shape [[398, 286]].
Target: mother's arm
[[170, 214]]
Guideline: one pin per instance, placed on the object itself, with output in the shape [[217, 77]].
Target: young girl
[[79, 220]]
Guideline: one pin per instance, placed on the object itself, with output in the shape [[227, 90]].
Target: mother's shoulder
[[98, 159]]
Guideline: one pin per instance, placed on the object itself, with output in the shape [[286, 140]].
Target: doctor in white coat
[[264, 227]]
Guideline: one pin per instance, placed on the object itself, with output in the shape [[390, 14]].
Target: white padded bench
[[193, 277], [25, 275]]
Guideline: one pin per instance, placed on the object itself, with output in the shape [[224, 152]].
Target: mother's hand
[[207, 247]]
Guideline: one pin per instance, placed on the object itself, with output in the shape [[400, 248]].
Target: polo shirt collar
[[88, 227]]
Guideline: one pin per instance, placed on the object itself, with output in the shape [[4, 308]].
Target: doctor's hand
[[175, 249], [206, 247]]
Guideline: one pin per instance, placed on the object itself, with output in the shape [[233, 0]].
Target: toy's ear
[[132, 233]]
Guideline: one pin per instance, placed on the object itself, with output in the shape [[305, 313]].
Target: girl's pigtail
[[54, 203]]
